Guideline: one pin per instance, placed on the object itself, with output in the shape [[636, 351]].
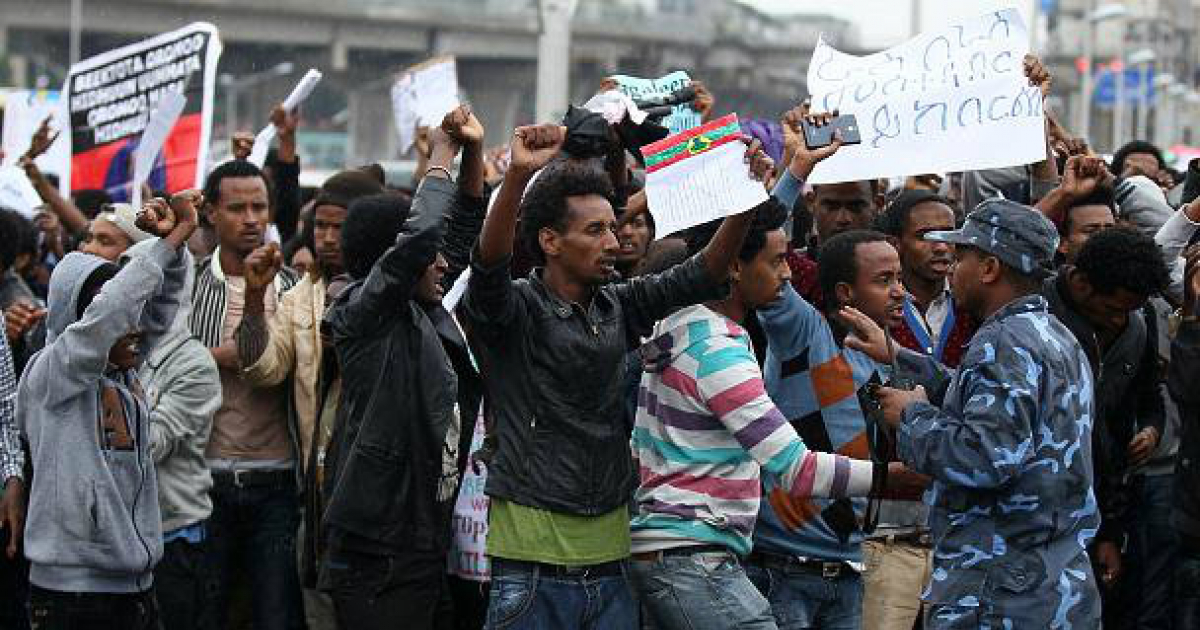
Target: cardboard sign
[[110, 98], [955, 99], [24, 111], [468, 554], [699, 175]]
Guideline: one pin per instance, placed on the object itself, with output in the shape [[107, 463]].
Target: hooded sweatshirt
[[93, 523], [705, 431], [183, 392]]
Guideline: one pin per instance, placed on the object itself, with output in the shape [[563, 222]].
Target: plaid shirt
[[12, 458]]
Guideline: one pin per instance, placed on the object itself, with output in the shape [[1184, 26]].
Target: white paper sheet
[[709, 184], [303, 89], [17, 192], [422, 96], [162, 119], [954, 99]]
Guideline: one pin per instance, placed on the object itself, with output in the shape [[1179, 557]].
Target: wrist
[[801, 168]]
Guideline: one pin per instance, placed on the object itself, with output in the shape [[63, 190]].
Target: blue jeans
[[802, 599], [699, 591], [1187, 589], [530, 596], [252, 533], [1152, 553]]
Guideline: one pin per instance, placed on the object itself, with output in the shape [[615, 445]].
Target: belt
[[654, 556], [780, 562], [243, 478], [614, 568], [916, 539]]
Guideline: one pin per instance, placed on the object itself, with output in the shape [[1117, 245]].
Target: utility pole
[[554, 58]]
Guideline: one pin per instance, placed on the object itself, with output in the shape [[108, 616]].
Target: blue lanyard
[[917, 325]]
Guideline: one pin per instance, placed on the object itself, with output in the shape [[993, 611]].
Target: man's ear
[[735, 270], [1079, 283], [991, 270], [548, 240], [844, 293], [810, 200]]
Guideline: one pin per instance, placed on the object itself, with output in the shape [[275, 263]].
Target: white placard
[[162, 119], [955, 99], [422, 96], [303, 89], [468, 554], [17, 192], [699, 175], [24, 111]]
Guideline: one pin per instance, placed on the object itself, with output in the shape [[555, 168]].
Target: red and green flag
[[690, 143]]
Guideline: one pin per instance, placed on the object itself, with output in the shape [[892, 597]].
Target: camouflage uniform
[[1012, 507]]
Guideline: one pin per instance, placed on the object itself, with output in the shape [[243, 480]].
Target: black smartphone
[[817, 137]]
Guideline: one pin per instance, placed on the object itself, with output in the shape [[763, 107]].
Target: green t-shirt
[[518, 532]]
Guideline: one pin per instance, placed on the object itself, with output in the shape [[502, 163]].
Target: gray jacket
[[93, 522], [183, 391]]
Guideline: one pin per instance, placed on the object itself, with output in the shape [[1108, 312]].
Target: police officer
[[1009, 445]]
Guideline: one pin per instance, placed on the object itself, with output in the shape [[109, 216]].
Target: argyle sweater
[[817, 385]]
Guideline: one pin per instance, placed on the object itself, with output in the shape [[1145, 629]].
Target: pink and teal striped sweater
[[706, 430]]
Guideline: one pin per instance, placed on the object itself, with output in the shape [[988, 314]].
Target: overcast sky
[[885, 22]]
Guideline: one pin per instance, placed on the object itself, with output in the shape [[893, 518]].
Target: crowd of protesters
[[964, 400]]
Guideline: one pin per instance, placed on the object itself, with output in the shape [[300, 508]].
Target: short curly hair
[[545, 203], [1123, 258], [769, 216], [371, 226]]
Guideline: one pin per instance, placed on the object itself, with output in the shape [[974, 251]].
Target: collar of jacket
[[556, 304], [1032, 303], [1062, 306]]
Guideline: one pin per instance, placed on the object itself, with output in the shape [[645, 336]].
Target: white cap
[[124, 217]]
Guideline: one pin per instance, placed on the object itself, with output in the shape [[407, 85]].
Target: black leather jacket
[[1182, 381], [1127, 398], [398, 399], [554, 374]]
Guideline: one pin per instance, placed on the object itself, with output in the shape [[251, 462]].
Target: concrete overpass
[[755, 64]]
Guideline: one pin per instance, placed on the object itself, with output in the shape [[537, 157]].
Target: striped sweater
[[706, 429]]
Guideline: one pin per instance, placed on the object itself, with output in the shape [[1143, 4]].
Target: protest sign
[[17, 192], [303, 89], [955, 99], [162, 120], [682, 117], [24, 111], [422, 96], [109, 100], [699, 175], [468, 555]]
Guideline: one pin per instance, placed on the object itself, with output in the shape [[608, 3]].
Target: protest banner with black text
[[110, 98], [954, 99]]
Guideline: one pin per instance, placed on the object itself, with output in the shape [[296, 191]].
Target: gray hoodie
[[93, 522], [183, 391]]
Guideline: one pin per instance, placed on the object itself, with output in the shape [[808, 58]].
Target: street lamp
[[1099, 14], [234, 86]]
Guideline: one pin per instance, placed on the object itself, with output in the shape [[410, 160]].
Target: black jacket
[[1182, 383], [554, 373], [398, 399], [1126, 398]]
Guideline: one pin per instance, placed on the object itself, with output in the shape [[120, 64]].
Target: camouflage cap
[[1020, 236]]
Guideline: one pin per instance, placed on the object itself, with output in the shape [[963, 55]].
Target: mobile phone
[[817, 137]]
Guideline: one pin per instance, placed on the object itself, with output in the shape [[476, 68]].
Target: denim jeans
[[184, 586], [1187, 588], [55, 610], [252, 532], [1152, 553], [528, 596], [803, 599], [699, 591], [372, 592]]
